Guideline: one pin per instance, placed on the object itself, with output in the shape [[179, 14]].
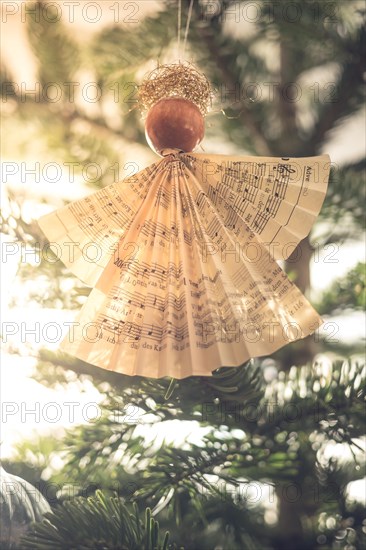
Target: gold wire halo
[[176, 80]]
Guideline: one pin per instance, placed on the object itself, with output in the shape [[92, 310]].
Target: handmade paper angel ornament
[[182, 256]]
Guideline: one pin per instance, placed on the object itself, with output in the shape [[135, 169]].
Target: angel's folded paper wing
[[186, 281], [86, 232], [278, 198]]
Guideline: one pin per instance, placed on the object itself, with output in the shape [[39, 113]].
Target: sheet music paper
[[182, 258]]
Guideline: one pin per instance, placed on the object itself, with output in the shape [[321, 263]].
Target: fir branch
[[349, 92], [346, 292], [210, 33], [95, 523]]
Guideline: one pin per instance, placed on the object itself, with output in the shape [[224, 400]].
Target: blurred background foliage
[[278, 442]]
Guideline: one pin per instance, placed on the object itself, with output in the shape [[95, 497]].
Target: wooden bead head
[[174, 123]]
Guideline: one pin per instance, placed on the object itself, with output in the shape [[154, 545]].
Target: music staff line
[[142, 301], [238, 169], [268, 210], [127, 331], [133, 332]]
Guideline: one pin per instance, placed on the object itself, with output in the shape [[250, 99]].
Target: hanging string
[[179, 24], [187, 26]]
